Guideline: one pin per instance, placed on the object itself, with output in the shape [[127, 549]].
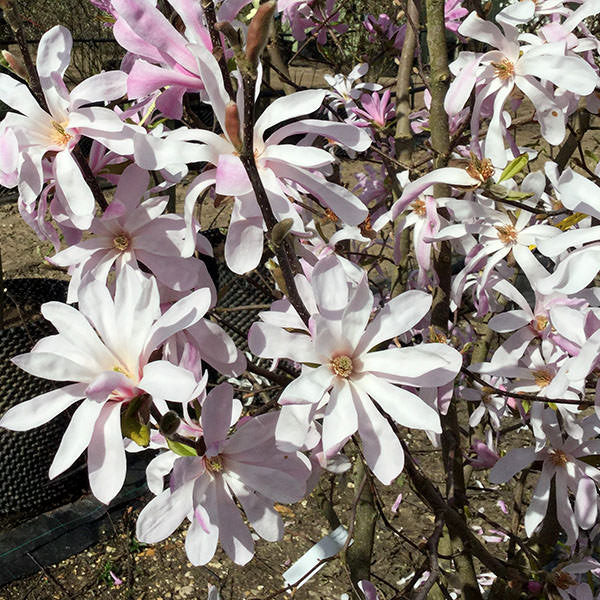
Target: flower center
[[507, 234], [504, 69], [121, 242], [558, 458], [540, 323], [342, 366], [563, 580], [542, 377], [214, 464], [59, 136], [418, 206], [480, 168]]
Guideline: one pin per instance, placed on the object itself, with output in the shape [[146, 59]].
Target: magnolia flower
[[163, 57], [130, 233], [245, 465], [345, 89], [39, 132], [105, 348], [498, 71], [340, 368], [375, 110], [277, 164], [560, 461]]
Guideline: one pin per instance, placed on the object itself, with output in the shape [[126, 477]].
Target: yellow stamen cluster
[[418, 206], [480, 168], [342, 366], [507, 234], [121, 242], [504, 69], [542, 377], [558, 458], [214, 464], [59, 136], [540, 323], [563, 580]]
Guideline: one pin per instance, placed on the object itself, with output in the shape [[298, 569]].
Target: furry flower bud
[[258, 31], [232, 124]]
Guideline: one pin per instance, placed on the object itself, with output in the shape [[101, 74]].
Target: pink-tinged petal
[[108, 382], [131, 41], [510, 321], [399, 315], [513, 348], [218, 349], [54, 52], [484, 31], [274, 479], [330, 287], [264, 519], [568, 72], [426, 365], [157, 153], [107, 86], [381, 447], [96, 118], [41, 409], [220, 411], [244, 242], [340, 420], [511, 464], [586, 505], [342, 202], [213, 81], [539, 502], [232, 179], [165, 381], [203, 534], [150, 24], [18, 97], [461, 88], [308, 158], [198, 185], [132, 185], [234, 534], [229, 10], [178, 273], [564, 511], [163, 514], [76, 329], [77, 436], [53, 366], [450, 175], [579, 194], [309, 387], [269, 341], [182, 314], [160, 466], [107, 464], [494, 139], [346, 134], [573, 273], [293, 426], [144, 78], [71, 183], [289, 107], [404, 407], [31, 173]]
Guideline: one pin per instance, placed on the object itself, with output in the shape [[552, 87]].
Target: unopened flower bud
[[15, 65], [258, 31], [232, 124], [169, 423]]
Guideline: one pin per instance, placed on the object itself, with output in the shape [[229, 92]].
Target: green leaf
[[134, 430], [513, 167], [181, 449]]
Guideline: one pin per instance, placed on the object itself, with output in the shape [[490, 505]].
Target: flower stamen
[[342, 366]]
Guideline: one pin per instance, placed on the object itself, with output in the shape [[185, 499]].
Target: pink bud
[[258, 31], [486, 458], [16, 66], [232, 124], [534, 587]]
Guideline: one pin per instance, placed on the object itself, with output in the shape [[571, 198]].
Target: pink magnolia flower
[[561, 462], [130, 233], [39, 133], [163, 57], [345, 89], [340, 370], [278, 163], [453, 13], [105, 348], [375, 110], [245, 465], [511, 64], [9, 158], [384, 26]]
